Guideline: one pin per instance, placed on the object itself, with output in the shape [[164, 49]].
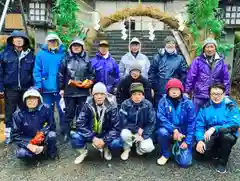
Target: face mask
[[170, 50]]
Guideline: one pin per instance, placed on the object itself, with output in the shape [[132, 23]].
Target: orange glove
[[38, 139], [75, 83], [85, 84]]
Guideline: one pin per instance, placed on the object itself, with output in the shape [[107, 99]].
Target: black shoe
[[220, 168]]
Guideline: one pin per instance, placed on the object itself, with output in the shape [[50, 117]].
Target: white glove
[[209, 133]]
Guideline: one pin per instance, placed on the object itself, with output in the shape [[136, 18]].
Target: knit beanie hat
[[137, 87], [209, 41], [99, 88], [174, 83], [135, 66], [169, 39]]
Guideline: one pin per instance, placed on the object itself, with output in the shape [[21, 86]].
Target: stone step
[[138, 35], [120, 54]]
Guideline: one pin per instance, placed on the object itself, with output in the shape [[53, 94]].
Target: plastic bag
[[62, 104]]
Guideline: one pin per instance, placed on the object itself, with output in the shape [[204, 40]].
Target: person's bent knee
[[126, 134], [77, 141], [52, 135], [229, 138], [116, 143], [146, 146], [22, 153], [163, 132]]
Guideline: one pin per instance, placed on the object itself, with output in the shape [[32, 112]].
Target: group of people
[[117, 106]]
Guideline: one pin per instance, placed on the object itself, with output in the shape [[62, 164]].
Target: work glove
[[38, 139], [209, 133]]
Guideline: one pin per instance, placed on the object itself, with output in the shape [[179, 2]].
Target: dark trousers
[[12, 99], [156, 100], [73, 108], [220, 146], [50, 146]]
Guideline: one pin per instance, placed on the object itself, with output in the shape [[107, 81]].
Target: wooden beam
[[182, 46]]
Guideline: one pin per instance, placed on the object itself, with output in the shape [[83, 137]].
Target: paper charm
[[96, 20], [181, 21], [151, 31], [124, 30]]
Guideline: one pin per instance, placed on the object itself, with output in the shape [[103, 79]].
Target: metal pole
[[129, 30], [23, 17], [4, 14]]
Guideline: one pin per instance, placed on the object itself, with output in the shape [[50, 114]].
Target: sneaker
[[7, 136], [107, 154], [162, 160], [81, 157], [125, 154], [220, 168]]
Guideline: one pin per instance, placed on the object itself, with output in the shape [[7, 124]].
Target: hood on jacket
[[21, 34], [53, 36], [80, 42], [135, 39], [110, 101], [33, 93]]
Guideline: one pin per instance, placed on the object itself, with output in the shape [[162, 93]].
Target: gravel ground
[[96, 169]]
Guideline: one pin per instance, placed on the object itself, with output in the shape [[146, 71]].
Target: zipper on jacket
[[136, 119], [19, 72]]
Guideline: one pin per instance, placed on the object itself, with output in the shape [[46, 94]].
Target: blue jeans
[[50, 99], [78, 142], [164, 138], [50, 143]]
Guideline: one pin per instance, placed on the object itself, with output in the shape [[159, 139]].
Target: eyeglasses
[[216, 94]]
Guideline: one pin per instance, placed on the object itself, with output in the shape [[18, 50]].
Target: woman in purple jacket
[[206, 69]]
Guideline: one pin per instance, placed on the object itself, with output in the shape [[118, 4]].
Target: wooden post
[[182, 47], [23, 17]]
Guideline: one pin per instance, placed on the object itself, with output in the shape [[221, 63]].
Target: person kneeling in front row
[[34, 130], [217, 127], [138, 118], [175, 124], [98, 123]]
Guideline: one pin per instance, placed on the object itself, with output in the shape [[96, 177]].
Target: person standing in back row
[[166, 64], [16, 67], [45, 72], [106, 68], [134, 56], [206, 69], [75, 77]]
